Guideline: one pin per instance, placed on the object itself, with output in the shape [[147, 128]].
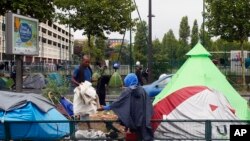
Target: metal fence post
[[7, 131], [208, 130], [72, 130]]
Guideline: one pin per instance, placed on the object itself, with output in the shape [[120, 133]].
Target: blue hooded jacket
[[130, 80], [134, 108]]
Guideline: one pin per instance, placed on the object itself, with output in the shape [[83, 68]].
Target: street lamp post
[[130, 45], [70, 56], [150, 41], [203, 25], [3, 36]]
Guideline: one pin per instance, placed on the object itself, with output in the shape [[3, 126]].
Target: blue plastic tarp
[[56, 77], [67, 105], [34, 131]]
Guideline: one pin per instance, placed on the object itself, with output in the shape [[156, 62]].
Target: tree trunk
[[243, 69], [89, 45]]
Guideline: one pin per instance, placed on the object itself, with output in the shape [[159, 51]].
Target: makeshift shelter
[[56, 77], [6, 83], [197, 91], [115, 80], [34, 81], [18, 107], [115, 84]]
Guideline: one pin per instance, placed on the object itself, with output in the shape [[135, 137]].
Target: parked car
[[156, 87]]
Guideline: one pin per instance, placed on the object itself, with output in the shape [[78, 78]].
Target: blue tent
[[56, 77], [30, 107]]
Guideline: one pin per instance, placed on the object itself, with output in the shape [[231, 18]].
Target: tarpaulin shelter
[[34, 80], [56, 77], [115, 84], [198, 90], [6, 83], [30, 107]]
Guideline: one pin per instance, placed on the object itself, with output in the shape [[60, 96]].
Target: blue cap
[[116, 65]]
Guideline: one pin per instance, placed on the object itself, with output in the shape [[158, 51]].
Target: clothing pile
[[86, 100]]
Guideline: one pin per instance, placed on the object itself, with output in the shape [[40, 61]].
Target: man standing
[[138, 72], [102, 83], [83, 72]]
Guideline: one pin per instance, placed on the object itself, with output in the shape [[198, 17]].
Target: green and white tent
[[198, 91]]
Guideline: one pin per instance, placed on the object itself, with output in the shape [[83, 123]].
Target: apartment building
[[55, 43], [116, 42]]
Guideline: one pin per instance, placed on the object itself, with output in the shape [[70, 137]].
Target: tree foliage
[[140, 43], [160, 62], [184, 33], [229, 19], [100, 45], [205, 39], [194, 34], [96, 17], [171, 46], [39, 9], [157, 51], [184, 30]]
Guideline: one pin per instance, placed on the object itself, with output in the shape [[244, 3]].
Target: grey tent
[[34, 80]]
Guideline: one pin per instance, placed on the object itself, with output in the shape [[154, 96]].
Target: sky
[[168, 15]]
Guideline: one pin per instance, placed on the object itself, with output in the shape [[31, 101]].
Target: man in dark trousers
[[101, 88], [138, 72], [102, 83]]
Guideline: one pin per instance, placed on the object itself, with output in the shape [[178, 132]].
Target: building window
[[54, 35], [54, 26], [50, 24], [44, 30], [44, 40], [49, 42], [54, 43], [49, 33]]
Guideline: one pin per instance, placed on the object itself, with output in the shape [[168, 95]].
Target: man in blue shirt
[[83, 72]]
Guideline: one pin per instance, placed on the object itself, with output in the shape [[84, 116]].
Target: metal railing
[[207, 130]]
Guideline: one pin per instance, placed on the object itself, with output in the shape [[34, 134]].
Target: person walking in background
[[13, 76], [1, 67], [97, 73], [145, 74], [102, 83], [133, 108], [6, 65], [82, 72], [138, 72]]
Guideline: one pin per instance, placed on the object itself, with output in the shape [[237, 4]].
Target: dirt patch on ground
[[107, 122]]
